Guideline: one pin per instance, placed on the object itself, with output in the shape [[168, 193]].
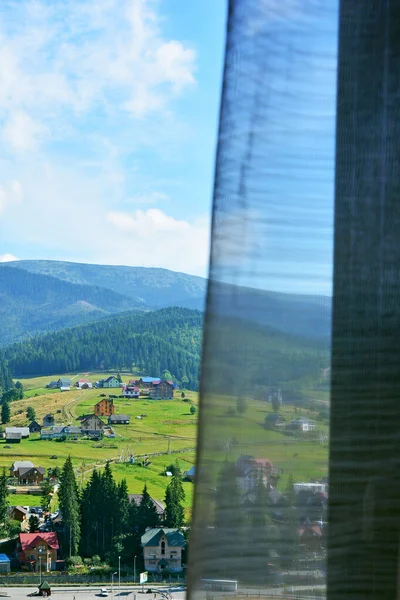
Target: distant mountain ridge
[[38, 296], [153, 288]]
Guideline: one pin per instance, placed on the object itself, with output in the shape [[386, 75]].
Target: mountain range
[[39, 296]]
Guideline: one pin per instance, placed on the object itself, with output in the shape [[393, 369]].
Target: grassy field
[[169, 429]]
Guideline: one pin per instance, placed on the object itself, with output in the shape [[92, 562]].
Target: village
[[39, 540]]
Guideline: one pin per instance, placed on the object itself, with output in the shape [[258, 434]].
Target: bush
[[74, 561], [192, 410]]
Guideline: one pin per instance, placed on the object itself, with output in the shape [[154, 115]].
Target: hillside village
[[161, 543]]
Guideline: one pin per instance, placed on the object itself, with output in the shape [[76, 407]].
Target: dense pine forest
[[168, 339]]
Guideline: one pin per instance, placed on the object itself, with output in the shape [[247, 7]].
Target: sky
[[108, 127]]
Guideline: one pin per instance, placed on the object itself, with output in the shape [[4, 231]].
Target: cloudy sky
[[108, 116]]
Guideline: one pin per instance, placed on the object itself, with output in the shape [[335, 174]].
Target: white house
[[131, 392], [24, 431], [303, 424]]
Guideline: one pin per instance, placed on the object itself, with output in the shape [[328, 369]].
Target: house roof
[[25, 470], [31, 540], [313, 529], [66, 380], [150, 379], [21, 430], [301, 420], [53, 429], [4, 558], [119, 418], [72, 429], [22, 464], [21, 509], [137, 498], [152, 537], [110, 378], [111, 401], [34, 424], [48, 416], [44, 586], [191, 472], [163, 381], [83, 381]]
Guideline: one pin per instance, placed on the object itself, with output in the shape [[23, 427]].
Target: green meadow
[[168, 430]]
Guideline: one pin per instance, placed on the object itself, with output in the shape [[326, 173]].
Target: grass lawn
[[168, 426]]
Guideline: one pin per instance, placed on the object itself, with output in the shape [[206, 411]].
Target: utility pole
[[134, 570], [169, 445], [119, 574]]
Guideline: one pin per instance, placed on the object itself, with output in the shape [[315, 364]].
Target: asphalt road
[[93, 593]]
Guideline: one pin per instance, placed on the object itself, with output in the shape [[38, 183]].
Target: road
[[93, 593], [177, 593]]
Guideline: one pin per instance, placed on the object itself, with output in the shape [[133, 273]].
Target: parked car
[[103, 592]]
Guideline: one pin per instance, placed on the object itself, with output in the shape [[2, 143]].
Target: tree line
[[167, 339], [100, 520]]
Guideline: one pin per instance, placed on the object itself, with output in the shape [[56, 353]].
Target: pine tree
[[122, 508], [47, 490], [30, 413], [4, 504], [69, 506], [174, 496], [119, 377], [147, 515], [34, 524], [5, 412], [241, 405]]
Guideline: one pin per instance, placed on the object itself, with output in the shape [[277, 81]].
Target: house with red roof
[[310, 537], [38, 551], [250, 471]]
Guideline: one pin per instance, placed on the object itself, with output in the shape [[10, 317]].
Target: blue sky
[[108, 125]]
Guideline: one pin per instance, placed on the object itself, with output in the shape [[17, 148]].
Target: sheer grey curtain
[[295, 225]]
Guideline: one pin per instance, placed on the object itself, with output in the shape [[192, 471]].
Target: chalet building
[[38, 551], [92, 425], [159, 506], [162, 390], [83, 384], [131, 392], [34, 427], [104, 408], [250, 470], [64, 383], [60, 431], [119, 420], [48, 420], [111, 382], [31, 476], [18, 513], [147, 382], [162, 550], [20, 464]]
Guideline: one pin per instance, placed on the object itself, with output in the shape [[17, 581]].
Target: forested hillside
[[168, 339], [152, 288], [32, 304]]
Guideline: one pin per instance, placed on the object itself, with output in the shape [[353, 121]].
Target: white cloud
[[159, 239], [10, 194], [21, 132], [7, 258], [80, 57]]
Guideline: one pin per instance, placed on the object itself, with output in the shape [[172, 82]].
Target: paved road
[[93, 593]]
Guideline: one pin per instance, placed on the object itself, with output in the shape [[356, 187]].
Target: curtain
[[296, 474]]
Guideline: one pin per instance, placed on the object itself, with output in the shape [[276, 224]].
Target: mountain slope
[[154, 288], [166, 339], [170, 339], [32, 303]]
